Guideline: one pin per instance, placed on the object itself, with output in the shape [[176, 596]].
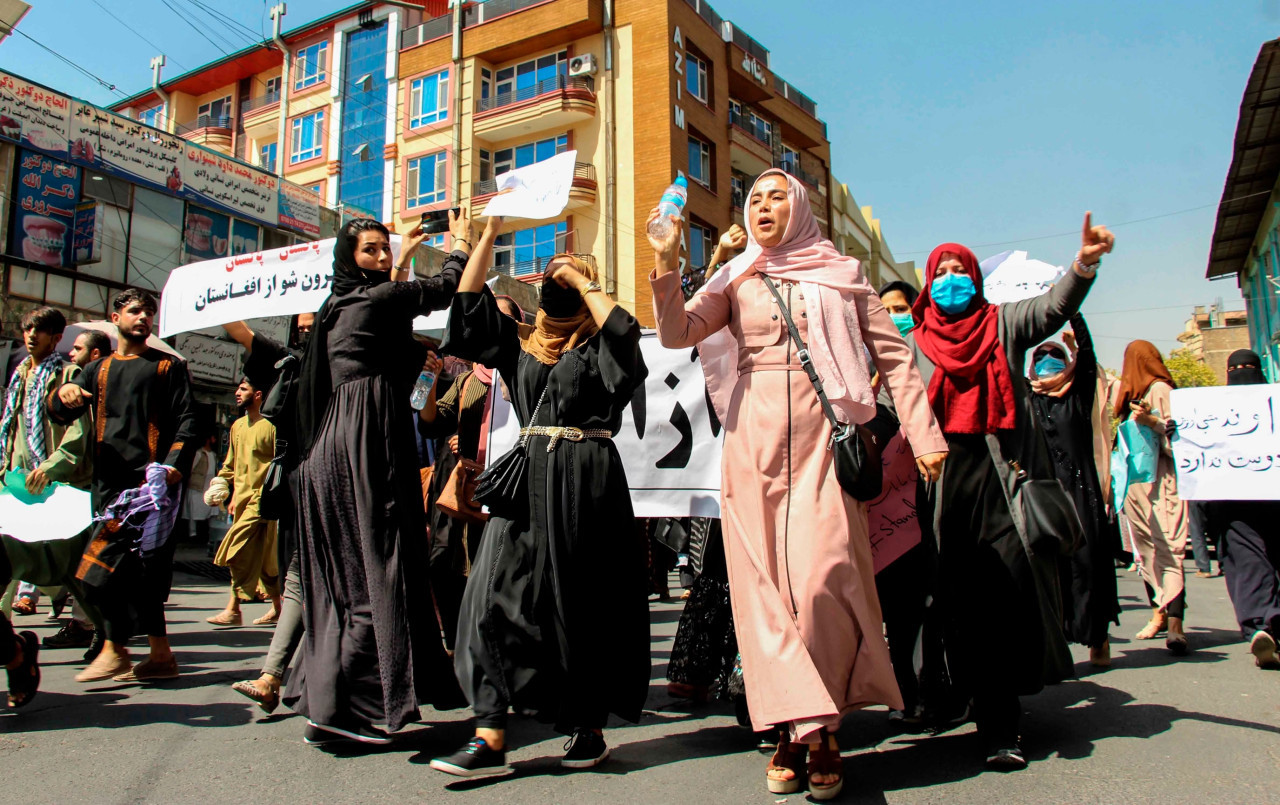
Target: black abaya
[[555, 619], [1090, 603]]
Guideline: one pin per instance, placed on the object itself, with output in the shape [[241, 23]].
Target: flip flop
[[223, 619], [268, 702], [269, 619], [24, 681]]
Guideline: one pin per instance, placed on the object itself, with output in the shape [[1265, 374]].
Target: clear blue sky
[[979, 122]]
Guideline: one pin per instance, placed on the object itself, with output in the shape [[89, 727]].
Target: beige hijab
[[550, 338]]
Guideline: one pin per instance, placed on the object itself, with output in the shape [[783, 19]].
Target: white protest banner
[[279, 282], [1226, 446], [669, 443], [1012, 276], [536, 191]]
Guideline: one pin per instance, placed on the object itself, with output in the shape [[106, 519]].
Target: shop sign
[[34, 116], [45, 209], [86, 245]]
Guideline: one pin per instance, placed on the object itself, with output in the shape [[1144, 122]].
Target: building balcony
[[812, 180], [261, 116], [530, 270], [552, 105], [582, 193], [212, 131]]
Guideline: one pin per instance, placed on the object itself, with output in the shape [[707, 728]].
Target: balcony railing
[[528, 268], [751, 46], [259, 102], [708, 13], [207, 122], [546, 87], [795, 96], [581, 170], [427, 31], [757, 132], [800, 173]]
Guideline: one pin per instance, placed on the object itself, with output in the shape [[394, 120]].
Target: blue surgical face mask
[[952, 293], [1049, 366], [904, 321]]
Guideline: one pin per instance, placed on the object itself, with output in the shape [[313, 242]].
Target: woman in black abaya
[[372, 650], [555, 620]]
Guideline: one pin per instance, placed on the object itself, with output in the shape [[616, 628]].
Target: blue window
[[699, 161], [427, 181], [529, 153], [524, 78], [695, 78], [267, 157], [363, 127], [310, 66], [153, 117], [308, 137], [429, 100], [526, 251]]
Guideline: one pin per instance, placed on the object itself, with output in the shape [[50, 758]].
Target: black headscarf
[[1244, 368], [315, 383], [908, 291]]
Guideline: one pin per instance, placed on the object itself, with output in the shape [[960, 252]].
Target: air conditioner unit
[[583, 65]]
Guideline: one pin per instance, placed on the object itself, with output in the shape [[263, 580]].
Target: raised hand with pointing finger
[[1095, 241]]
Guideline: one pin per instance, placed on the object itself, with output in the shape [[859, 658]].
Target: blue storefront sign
[[45, 210]]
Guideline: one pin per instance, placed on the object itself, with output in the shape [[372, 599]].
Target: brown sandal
[[827, 762], [788, 757], [267, 701]]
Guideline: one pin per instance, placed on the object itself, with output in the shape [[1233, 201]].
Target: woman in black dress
[[555, 621], [372, 650], [1064, 395]]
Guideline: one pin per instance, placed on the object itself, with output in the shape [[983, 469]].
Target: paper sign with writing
[[33, 115], [538, 191], [892, 519], [230, 184], [125, 147], [210, 358], [1226, 446], [277, 282]]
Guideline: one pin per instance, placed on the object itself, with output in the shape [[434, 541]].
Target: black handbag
[[1041, 509], [503, 487], [857, 452], [275, 501]]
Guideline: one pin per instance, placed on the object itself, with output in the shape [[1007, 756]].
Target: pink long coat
[[800, 568]]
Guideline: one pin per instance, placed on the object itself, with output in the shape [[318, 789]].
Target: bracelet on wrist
[[590, 287]]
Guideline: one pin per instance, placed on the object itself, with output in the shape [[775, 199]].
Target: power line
[[158, 49], [227, 22], [194, 26], [62, 58]]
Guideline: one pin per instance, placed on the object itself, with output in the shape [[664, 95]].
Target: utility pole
[[282, 142], [457, 100], [157, 62]]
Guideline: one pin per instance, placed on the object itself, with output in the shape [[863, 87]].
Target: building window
[[790, 160], [486, 83], [317, 188], [153, 116], [308, 137], [267, 157], [738, 183], [429, 100], [702, 244], [427, 181], [699, 161], [521, 155], [526, 251], [525, 79], [214, 113], [695, 78], [746, 118], [272, 90], [310, 66], [486, 165]]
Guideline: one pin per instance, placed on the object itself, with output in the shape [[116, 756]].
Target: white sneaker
[[1263, 647]]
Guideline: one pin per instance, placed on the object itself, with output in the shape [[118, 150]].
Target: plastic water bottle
[[421, 390], [672, 203]]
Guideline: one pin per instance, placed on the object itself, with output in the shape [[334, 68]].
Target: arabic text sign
[[235, 186], [279, 282], [538, 191], [48, 191], [33, 115], [1227, 446], [125, 147], [210, 358], [299, 210]]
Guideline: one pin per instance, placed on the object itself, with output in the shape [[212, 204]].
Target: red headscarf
[[972, 389], [1142, 367]]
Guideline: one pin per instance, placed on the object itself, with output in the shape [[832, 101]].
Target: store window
[[427, 181], [310, 66], [429, 100], [308, 137], [155, 244]]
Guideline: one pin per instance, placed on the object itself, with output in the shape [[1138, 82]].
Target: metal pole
[[282, 144]]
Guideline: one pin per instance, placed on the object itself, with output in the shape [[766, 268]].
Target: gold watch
[[590, 287]]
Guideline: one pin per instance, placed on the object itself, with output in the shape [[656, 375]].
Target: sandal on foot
[[788, 757], [102, 668], [267, 701], [269, 619], [225, 618], [1153, 629], [827, 762], [23, 606], [149, 670], [24, 681]]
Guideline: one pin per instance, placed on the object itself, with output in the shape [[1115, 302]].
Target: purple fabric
[[150, 510]]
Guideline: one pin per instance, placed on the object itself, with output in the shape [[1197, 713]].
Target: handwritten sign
[[892, 519], [277, 282], [1013, 276], [299, 210], [45, 202], [1226, 446], [109, 142], [536, 191], [33, 115], [210, 358], [231, 184]]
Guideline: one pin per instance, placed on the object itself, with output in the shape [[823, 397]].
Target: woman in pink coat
[[800, 567]]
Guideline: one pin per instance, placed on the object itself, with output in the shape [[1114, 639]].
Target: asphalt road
[[1203, 729]]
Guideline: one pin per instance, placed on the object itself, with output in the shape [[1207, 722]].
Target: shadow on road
[[113, 709]]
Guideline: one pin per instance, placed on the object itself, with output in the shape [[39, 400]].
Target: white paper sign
[[1226, 446], [669, 449], [63, 515], [1012, 276], [536, 191], [210, 358], [279, 282]]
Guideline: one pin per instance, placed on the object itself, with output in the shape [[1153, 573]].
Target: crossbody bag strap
[[1008, 481], [806, 361]]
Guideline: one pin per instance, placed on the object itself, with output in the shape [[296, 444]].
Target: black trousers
[[8, 640], [1250, 551], [133, 602], [1177, 607]]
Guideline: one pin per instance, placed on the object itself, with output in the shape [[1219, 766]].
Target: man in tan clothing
[[249, 548]]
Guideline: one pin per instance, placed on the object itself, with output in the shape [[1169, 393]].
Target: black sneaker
[[314, 736], [475, 759], [1007, 758], [363, 733], [95, 648], [71, 635], [585, 748]]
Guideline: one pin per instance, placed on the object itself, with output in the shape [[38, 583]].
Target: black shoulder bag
[[503, 486], [857, 455], [275, 501]]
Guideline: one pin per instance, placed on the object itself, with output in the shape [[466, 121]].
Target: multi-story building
[[856, 232], [395, 109], [1246, 237], [1211, 334]]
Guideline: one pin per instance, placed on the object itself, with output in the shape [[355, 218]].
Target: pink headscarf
[[830, 282]]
